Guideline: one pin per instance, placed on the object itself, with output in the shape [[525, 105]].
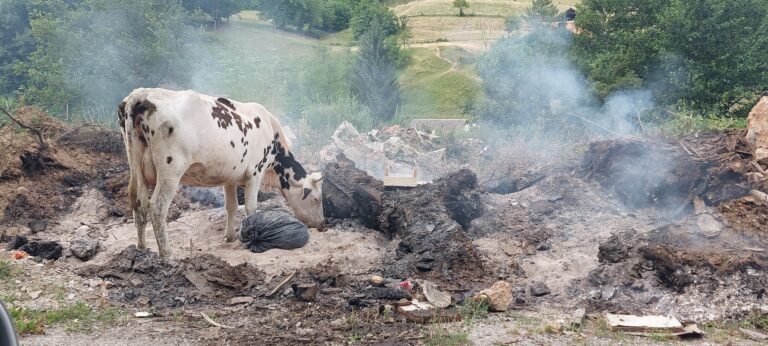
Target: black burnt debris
[[429, 220]]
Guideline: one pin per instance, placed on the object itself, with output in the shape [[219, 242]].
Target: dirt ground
[[563, 226]]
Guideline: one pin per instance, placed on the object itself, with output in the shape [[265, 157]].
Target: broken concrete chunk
[[422, 312], [577, 318], [539, 289], [498, 296]]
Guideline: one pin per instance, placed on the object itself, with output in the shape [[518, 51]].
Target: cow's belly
[[210, 176]]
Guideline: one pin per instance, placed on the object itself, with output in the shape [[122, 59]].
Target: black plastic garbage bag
[[273, 229]]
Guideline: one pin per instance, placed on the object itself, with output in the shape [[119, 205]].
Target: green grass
[[432, 89], [77, 317], [689, 123], [476, 7], [443, 338], [5, 269]]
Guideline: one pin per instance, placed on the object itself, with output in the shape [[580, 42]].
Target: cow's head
[[306, 200]]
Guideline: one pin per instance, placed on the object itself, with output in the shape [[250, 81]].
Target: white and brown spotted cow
[[199, 140]]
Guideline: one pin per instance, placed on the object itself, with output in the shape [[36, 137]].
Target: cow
[[185, 137]]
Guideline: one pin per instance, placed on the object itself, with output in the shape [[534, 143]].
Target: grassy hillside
[[250, 60], [476, 7]]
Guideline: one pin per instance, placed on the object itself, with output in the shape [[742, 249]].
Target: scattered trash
[[753, 335], [406, 285], [143, 314], [399, 181], [305, 292], [377, 280], [214, 323], [577, 318], [498, 296], [273, 229], [49, 250], [422, 312], [17, 255], [436, 297], [240, 300], [539, 289]]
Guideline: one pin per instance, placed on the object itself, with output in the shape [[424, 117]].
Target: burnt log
[[429, 220]]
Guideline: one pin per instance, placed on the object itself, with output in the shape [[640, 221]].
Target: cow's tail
[[132, 113]]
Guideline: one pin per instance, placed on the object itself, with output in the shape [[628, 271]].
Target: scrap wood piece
[[214, 323], [199, 281], [632, 323], [282, 283], [689, 331], [753, 335]]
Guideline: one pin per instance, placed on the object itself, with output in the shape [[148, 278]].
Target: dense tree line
[[706, 54]]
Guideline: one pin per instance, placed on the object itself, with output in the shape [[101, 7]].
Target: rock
[[498, 296], [35, 294], [84, 248], [436, 297], [757, 124], [38, 226], [577, 318], [542, 207], [608, 294], [544, 246], [708, 225], [82, 231], [425, 266], [305, 292], [240, 300], [761, 155], [539, 289]]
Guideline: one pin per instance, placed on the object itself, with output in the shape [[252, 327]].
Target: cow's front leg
[[252, 194], [161, 200], [230, 204]]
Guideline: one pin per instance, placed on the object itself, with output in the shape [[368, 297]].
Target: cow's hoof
[[141, 247], [229, 238]]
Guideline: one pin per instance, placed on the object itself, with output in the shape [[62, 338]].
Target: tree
[[93, 52], [702, 53], [15, 42], [461, 5], [370, 11], [374, 76], [541, 10], [217, 10]]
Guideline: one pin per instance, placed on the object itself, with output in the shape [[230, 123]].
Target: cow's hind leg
[[138, 199], [230, 203]]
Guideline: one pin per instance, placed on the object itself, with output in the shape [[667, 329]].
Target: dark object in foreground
[[273, 229], [49, 250], [304, 292]]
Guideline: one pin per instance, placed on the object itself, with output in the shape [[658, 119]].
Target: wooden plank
[[643, 323]]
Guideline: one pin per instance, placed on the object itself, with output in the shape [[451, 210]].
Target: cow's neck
[[290, 173]]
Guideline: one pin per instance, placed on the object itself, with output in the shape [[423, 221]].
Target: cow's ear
[[306, 193]]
